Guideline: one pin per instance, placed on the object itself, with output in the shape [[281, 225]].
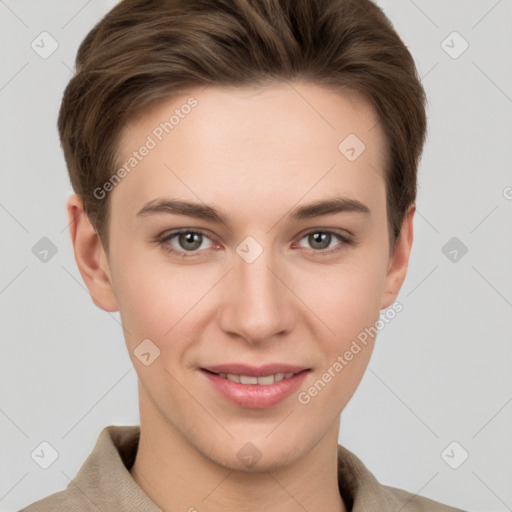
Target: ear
[[399, 261], [90, 256]]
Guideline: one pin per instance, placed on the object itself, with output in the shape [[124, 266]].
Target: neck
[[177, 476]]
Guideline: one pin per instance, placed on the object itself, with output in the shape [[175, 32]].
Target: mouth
[[249, 379], [255, 387]]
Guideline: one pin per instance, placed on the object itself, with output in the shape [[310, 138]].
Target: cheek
[[346, 297], [155, 298], [347, 300]]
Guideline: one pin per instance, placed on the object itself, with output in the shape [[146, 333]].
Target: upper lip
[[255, 371]]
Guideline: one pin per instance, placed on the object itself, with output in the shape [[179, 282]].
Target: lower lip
[[256, 396]]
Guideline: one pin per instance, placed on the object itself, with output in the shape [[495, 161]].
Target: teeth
[[244, 379], [269, 379], [264, 381]]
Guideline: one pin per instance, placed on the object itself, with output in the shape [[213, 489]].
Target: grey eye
[[320, 240], [189, 240]]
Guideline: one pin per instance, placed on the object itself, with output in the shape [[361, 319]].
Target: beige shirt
[[105, 484]]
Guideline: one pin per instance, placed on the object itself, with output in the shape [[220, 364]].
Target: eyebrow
[[204, 212]]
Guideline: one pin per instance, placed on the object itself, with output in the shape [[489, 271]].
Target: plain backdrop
[[439, 384]]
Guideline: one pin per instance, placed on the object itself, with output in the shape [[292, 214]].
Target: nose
[[257, 302]]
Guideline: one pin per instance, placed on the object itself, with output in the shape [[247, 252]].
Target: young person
[[245, 180]]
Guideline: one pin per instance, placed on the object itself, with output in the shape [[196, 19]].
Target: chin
[[257, 455]]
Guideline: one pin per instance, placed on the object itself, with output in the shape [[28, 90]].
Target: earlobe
[[90, 256], [399, 261]]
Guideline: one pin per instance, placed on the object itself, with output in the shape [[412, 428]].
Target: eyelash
[[163, 241]]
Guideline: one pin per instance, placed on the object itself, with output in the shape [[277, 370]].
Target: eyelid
[[342, 233]]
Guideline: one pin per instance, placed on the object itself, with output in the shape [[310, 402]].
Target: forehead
[[272, 143]]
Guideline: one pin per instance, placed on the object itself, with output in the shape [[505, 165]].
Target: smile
[[255, 387], [249, 379]]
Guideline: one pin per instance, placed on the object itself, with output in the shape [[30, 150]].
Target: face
[[251, 252]]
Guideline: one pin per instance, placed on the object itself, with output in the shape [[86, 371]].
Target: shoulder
[[366, 494], [414, 503], [68, 500], [103, 481]]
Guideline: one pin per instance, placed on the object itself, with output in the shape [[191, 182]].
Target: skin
[[255, 155]]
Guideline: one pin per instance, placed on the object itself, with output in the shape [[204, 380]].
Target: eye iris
[[320, 238], [190, 238]]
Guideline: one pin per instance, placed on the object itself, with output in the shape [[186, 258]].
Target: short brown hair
[[148, 49]]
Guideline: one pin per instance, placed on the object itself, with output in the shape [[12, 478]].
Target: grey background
[[441, 370]]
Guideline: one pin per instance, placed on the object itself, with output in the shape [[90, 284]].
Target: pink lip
[[255, 396]]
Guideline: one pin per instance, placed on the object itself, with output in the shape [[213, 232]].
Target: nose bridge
[[258, 306]]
